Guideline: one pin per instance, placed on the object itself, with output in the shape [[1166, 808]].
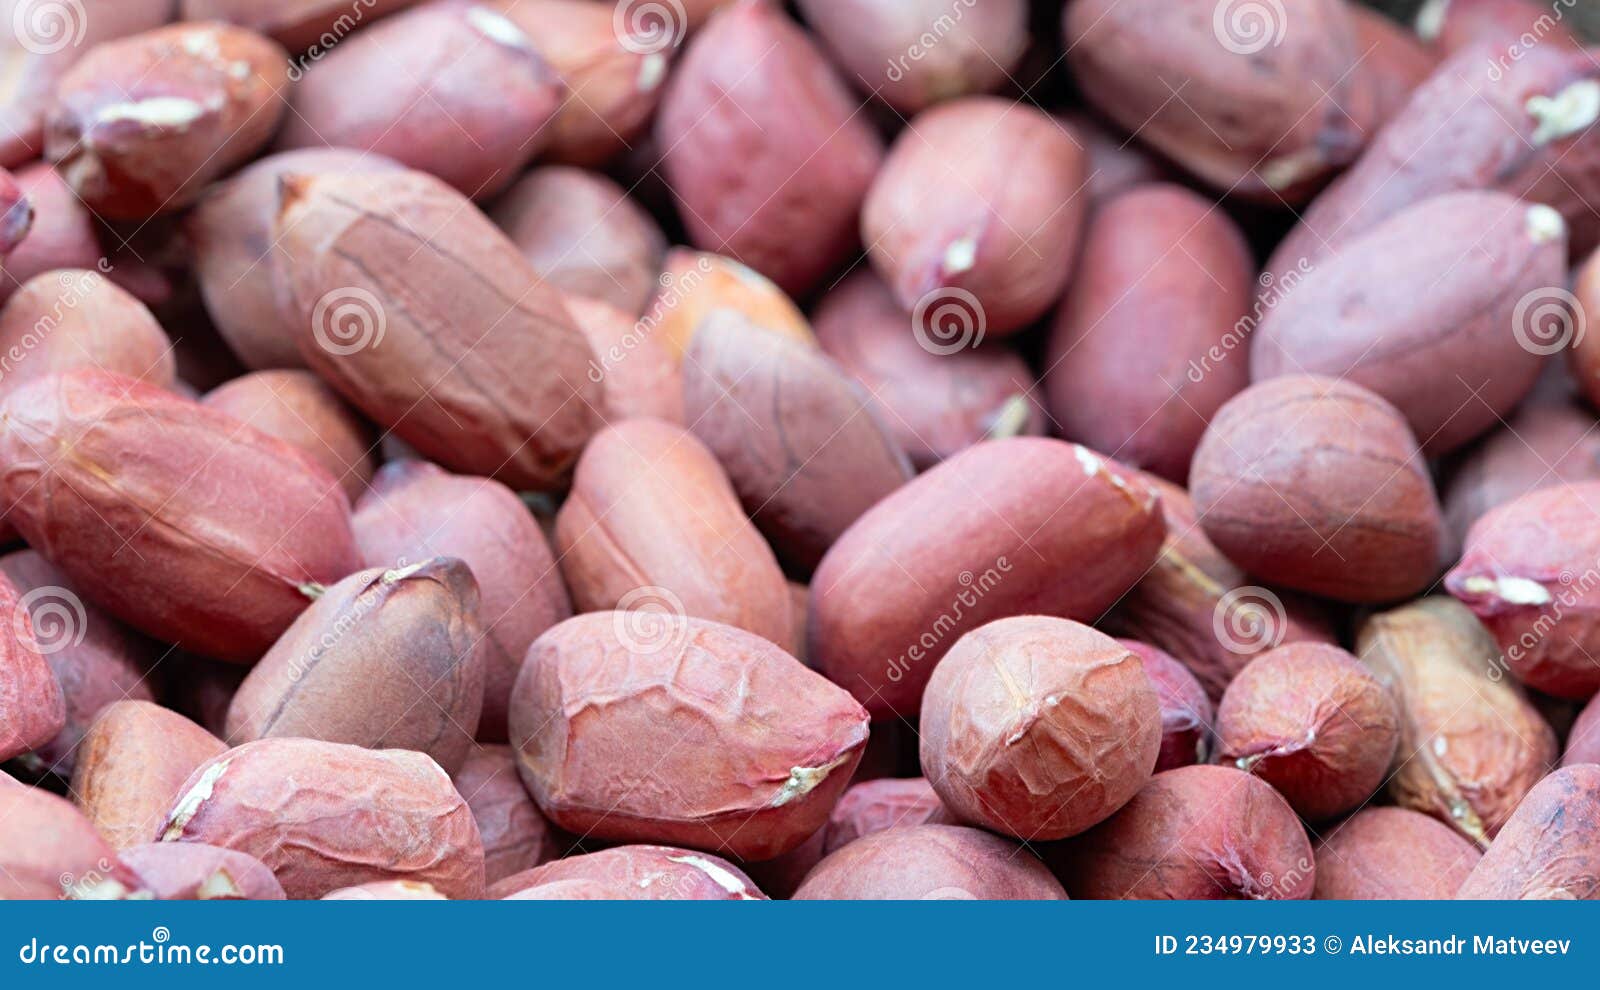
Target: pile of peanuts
[[847, 449]]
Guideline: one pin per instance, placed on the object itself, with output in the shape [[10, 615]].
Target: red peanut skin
[[515, 835], [48, 851], [192, 871], [802, 446], [934, 405], [386, 659], [1545, 544], [324, 815], [637, 872], [451, 88], [584, 236], [983, 196], [750, 100], [72, 318], [16, 213], [61, 235], [1035, 526], [1316, 484], [1393, 56], [1451, 25], [1164, 278], [1583, 357], [690, 732], [1392, 854], [642, 377], [1267, 123], [1114, 163], [1583, 742], [177, 519], [931, 862], [295, 24], [696, 284], [876, 805], [296, 407], [651, 508], [1314, 723], [1194, 833], [96, 660], [870, 39], [1453, 359], [32, 709], [130, 158], [1186, 712], [239, 261], [416, 510], [132, 763], [1547, 851], [480, 367], [1038, 728]]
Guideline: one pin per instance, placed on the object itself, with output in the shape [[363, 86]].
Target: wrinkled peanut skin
[[635, 872], [1471, 744], [757, 748], [175, 518], [75, 318], [295, 406], [515, 835], [1548, 849], [325, 815], [32, 709], [1186, 712], [48, 851], [192, 871], [131, 764], [1392, 854], [876, 805], [1038, 728], [931, 863], [295, 24]]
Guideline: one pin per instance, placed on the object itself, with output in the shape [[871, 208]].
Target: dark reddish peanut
[[1471, 744], [43, 42], [32, 709], [95, 659], [240, 262], [1393, 56], [515, 835], [1584, 353], [872, 40], [452, 88], [931, 863], [192, 871], [173, 517], [141, 124], [387, 890], [1451, 25], [695, 284], [1525, 131], [1548, 849], [978, 200], [1454, 359], [1164, 284], [584, 236], [1197, 605], [642, 377], [424, 316], [1528, 572], [75, 318], [1186, 711], [613, 77], [1270, 104], [653, 523], [1392, 854], [1583, 742], [62, 233], [386, 659], [1115, 163], [416, 510], [876, 805], [934, 402], [48, 851], [645, 873], [295, 24], [756, 747], [295, 407], [802, 445], [1194, 833], [132, 763], [765, 149], [1317, 484], [1038, 728], [324, 815], [1314, 723], [1007, 527]]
